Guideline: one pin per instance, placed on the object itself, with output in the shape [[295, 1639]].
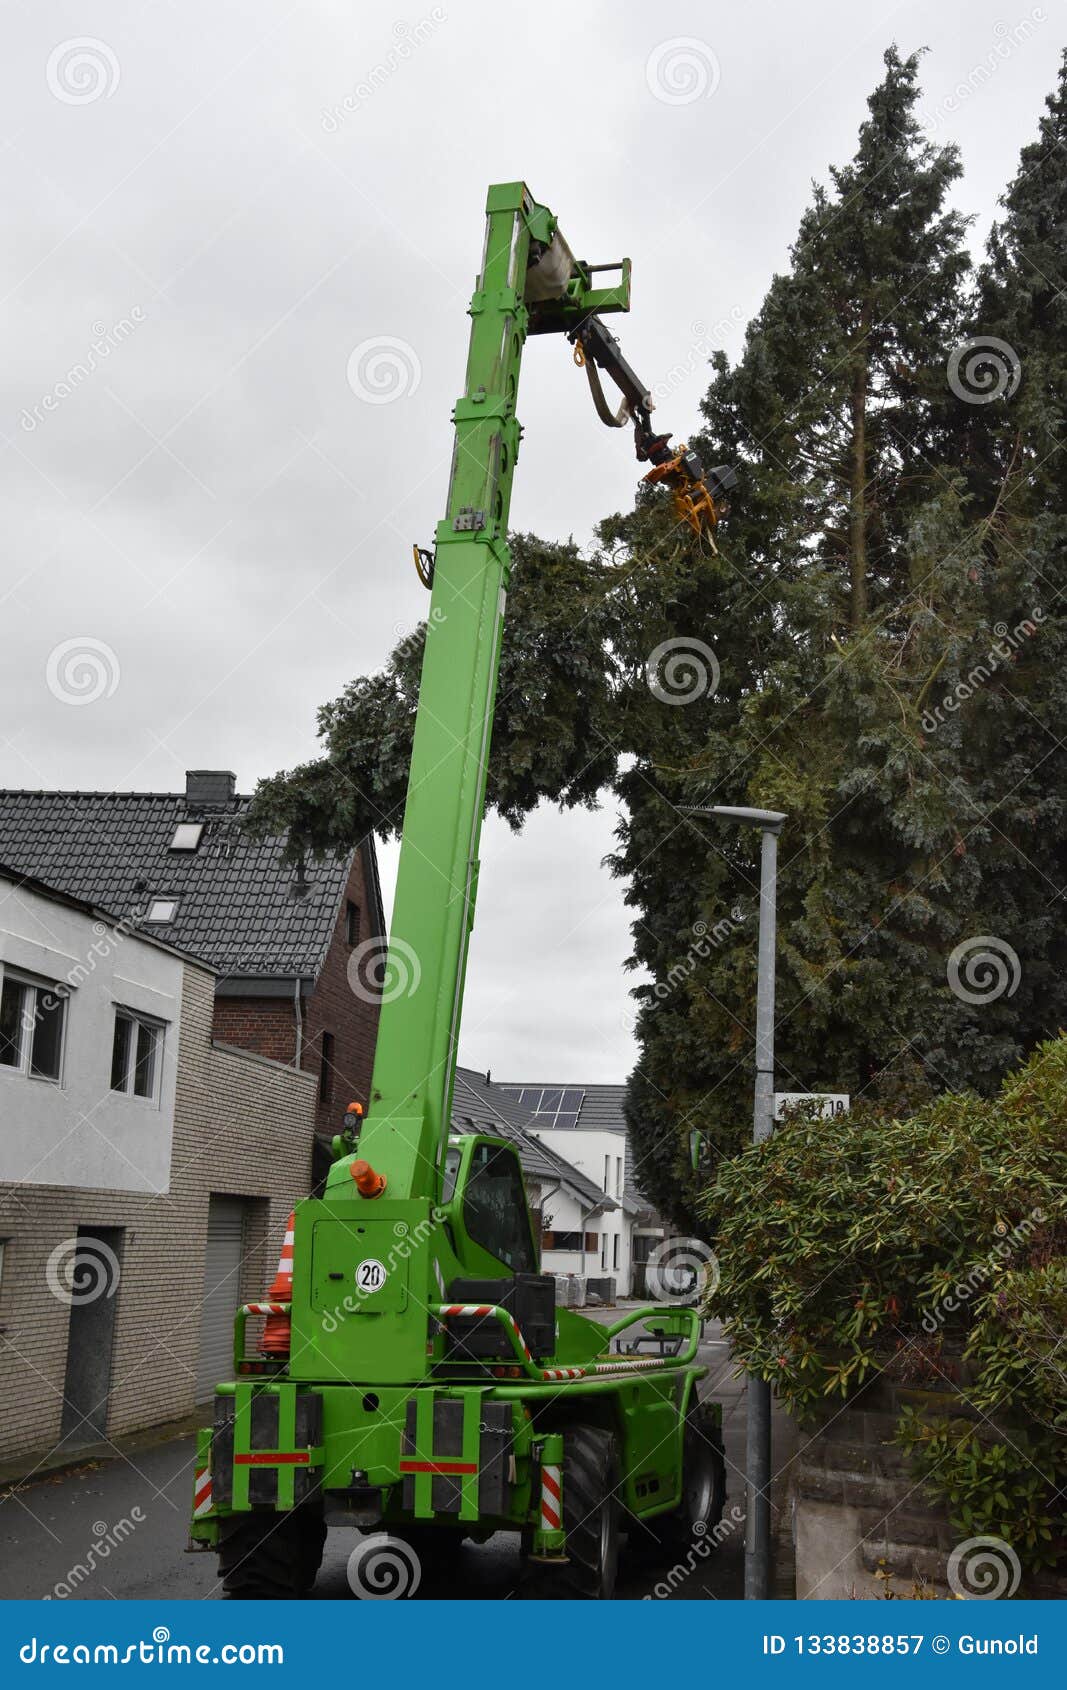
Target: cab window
[[494, 1208]]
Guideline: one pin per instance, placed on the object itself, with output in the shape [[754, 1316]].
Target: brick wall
[[334, 1008], [243, 1128], [264, 1025], [268, 1025]]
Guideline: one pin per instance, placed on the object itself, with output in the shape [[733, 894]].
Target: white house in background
[[586, 1125], [89, 1018], [571, 1210], [146, 1173]]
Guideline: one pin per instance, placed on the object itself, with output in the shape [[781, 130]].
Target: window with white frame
[[186, 836], [32, 1018], [136, 1055]]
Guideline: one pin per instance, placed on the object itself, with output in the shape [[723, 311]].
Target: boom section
[[526, 269]]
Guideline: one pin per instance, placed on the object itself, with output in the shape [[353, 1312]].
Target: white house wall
[[79, 1132], [586, 1149], [561, 1213]]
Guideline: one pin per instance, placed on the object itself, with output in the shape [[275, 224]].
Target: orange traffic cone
[[276, 1328]]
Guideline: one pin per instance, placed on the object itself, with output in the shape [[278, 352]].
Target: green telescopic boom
[[529, 283]]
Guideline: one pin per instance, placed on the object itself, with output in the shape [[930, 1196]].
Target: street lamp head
[[770, 820]]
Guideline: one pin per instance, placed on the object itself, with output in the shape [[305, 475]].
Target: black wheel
[[269, 1557], [312, 1543], [590, 1520], [703, 1489]]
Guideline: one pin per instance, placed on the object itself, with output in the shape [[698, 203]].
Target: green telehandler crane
[[420, 1380]]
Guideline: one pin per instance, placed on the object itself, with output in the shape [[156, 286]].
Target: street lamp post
[[758, 1417]]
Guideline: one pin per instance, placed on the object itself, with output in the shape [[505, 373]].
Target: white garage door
[[222, 1293]]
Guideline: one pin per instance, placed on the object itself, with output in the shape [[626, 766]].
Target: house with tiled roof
[[587, 1124], [571, 1210], [294, 949], [146, 1174]]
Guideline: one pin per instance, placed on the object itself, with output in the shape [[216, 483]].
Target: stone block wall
[[863, 1525]]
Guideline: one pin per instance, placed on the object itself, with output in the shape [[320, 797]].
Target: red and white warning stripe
[[267, 1308], [551, 1499], [481, 1310], [202, 1495], [285, 1260]]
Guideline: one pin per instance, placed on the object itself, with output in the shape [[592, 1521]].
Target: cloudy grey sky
[[211, 207]]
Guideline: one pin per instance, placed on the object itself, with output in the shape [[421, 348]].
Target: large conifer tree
[[833, 656]]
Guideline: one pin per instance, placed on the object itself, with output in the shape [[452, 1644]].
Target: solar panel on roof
[[550, 1101]]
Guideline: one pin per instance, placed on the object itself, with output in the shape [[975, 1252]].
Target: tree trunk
[[857, 510]]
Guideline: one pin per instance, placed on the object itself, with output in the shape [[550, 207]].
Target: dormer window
[[187, 836], [162, 909]]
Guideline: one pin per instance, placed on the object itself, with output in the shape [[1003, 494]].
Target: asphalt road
[[136, 1507]]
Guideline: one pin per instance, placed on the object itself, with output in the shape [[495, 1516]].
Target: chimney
[[209, 789]]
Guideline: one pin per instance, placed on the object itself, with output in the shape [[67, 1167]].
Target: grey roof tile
[[236, 908], [479, 1104]]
